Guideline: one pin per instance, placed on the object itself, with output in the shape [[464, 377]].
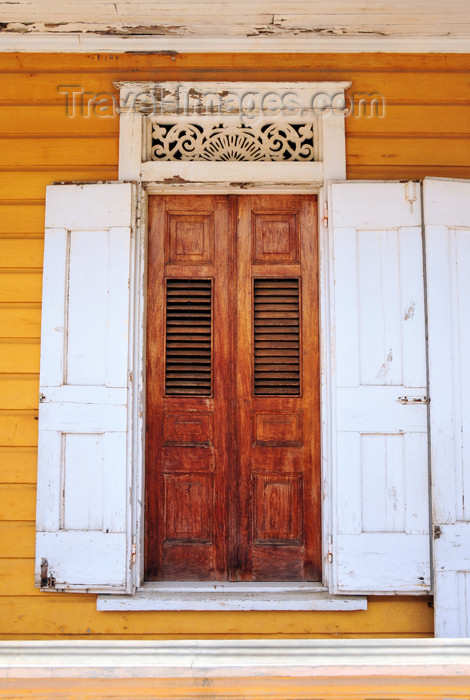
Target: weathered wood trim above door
[[322, 103]]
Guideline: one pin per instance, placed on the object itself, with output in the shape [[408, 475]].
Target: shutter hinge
[[410, 193], [325, 214], [133, 551], [330, 550], [47, 579], [437, 532], [138, 207], [407, 400]]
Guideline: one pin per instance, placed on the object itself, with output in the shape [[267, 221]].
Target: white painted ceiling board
[[211, 18]]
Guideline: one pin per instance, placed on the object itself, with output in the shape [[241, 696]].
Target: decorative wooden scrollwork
[[269, 141]]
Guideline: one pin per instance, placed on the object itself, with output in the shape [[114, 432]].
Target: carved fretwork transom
[[232, 140]]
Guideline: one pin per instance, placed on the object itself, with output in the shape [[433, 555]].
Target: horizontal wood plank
[[17, 539], [19, 391], [19, 357], [74, 614], [22, 120], [58, 151], [18, 465], [17, 501], [402, 172], [438, 121], [20, 320], [21, 218], [280, 688], [17, 578], [34, 181], [17, 251], [373, 151], [19, 429], [20, 286], [332, 12], [128, 66], [403, 84]]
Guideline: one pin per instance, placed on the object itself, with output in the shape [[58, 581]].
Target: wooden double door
[[233, 399]]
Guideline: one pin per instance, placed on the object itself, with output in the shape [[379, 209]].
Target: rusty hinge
[[47, 579], [138, 208], [325, 215], [329, 553], [133, 551], [437, 532], [407, 400]]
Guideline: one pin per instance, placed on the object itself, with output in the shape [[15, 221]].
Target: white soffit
[[304, 26]]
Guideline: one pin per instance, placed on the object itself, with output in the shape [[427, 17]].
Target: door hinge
[[407, 400], [437, 532], [325, 215]]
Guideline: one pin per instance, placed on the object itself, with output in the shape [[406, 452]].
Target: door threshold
[[218, 595]]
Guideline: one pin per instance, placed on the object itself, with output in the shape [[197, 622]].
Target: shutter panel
[[381, 538], [276, 336], [188, 358], [447, 221], [83, 479]]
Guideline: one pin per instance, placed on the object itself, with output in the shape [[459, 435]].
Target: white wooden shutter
[[447, 220], [84, 443], [381, 537]]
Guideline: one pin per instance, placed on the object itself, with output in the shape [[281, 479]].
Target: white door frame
[[320, 103]]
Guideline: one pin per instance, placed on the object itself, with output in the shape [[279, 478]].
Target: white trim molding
[[352, 669], [230, 596], [81, 42], [218, 658], [143, 104]]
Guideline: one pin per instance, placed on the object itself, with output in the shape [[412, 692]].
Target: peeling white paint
[[316, 18], [409, 311]]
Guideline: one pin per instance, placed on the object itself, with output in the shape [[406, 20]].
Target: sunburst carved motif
[[276, 141]]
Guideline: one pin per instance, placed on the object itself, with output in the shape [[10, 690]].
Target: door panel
[[188, 448], [279, 533], [233, 444]]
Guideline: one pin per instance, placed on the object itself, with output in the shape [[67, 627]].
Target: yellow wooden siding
[[425, 131], [278, 688]]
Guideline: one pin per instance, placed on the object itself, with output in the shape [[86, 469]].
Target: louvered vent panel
[[276, 337], [188, 369]]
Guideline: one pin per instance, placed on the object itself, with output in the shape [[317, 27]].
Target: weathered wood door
[[233, 407]]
